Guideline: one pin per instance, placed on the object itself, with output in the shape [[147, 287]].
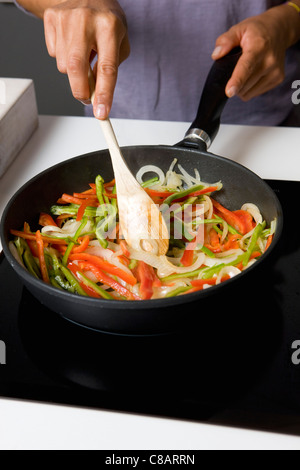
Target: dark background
[[23, 54]]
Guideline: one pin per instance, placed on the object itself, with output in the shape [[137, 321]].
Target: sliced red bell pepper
[[43, 267], [61, 218], [214, 238], [106, 266], [209, 189], [110, 183], [247, 219], [32, 236], [31, 243], [201, 282], [165, 194], [105, 279], [255, 254], [187, 257], [85, 195], [110, 195], [68, 199], [88, 290], [46, 219], [232, 243], [84, 243], [124, 248], [91, 191], [161, 194], [269, 241], [81, 209], [230, 217], [147, 279]]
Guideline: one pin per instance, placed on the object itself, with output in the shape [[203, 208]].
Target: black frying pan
[[240, 185]]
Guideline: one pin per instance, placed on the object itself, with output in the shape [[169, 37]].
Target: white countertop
[[271, 153]]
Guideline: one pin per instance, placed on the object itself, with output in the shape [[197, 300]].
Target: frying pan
[[240, 185]]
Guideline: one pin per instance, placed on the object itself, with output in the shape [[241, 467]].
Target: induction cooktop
[[237, 365]]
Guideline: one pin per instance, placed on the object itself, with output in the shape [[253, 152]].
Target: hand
[[264, 40], [77, 30]]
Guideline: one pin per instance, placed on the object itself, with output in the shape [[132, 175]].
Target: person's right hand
[[77, 30]]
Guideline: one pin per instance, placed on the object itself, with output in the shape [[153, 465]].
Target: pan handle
[[206, 124]]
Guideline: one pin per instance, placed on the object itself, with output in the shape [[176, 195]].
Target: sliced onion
[[254, 211], [152, 169], [96, 249], [14, 252], [225, 232], [185, 281], [68, 230], [206, 286], [230, 271], [210, 206], [226, 257], [91, 276], [163, 265], [252, 261], [189, 179], [261, 244], [111, 245], [235, 251], [197, 176], [173, 180], [161, 292], [273, 226], [242, 240], [168, 266], [171, 168], [199, 211]]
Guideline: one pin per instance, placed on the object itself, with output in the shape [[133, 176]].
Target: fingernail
[[217, 51], [100, 111], [232, 91], [86, 102]]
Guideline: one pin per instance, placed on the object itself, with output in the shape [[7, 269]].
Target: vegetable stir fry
[[79, 247]]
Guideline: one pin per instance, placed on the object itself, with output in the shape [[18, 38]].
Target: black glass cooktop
[[238, 365]]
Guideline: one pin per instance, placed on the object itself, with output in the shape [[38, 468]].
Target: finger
[[107, 71], [264, 84], [268, 77], [50, 32], [261, 86], [124, 49], [78, 69], [61, 46], [247, 70], [72, 55], [226, 42]]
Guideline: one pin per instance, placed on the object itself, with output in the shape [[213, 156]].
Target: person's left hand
[[264, 40]]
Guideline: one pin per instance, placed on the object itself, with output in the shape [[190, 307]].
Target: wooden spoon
[[141, 222]]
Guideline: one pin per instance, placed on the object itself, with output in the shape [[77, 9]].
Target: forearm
[[38, 7]]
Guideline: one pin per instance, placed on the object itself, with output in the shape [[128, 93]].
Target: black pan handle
[[205, 126]]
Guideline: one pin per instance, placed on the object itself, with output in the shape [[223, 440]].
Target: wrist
[[295, 5], [289, 21]]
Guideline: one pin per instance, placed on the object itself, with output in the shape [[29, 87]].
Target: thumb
[[226, 42]]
